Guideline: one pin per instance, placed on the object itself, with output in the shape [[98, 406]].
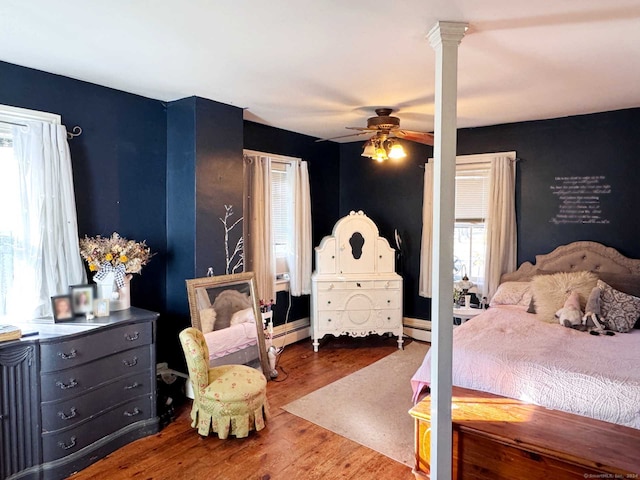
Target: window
[[38, 219], [282, 208], [8, 221], [470, 239], [281, 211]]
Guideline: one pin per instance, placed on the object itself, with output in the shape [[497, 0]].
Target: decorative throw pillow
[[243, 316], [623, 282], [226, 303], [512, 293], [619, 310], [207, 319], [551, 291]]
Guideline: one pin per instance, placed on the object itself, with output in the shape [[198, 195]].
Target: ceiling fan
[[382, 145]]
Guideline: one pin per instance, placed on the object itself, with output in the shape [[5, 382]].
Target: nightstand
[[465, 314]]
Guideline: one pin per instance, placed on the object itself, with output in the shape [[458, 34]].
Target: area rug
[[370, 406]]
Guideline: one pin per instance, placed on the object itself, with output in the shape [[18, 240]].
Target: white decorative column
[[444, 37]]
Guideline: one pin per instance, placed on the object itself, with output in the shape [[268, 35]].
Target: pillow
[[623, 282], [243, 316], [551, 291], [228, 302], [207, 319], [619, 310], [512, 293]]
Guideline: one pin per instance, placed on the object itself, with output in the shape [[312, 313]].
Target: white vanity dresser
[[355, 290]]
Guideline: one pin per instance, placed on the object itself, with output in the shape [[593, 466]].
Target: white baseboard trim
[[292, 332], [300, 329], [417, 329]]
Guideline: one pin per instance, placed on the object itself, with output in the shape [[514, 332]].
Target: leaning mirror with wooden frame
[[225, 308]]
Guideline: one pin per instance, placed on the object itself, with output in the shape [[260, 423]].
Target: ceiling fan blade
[[341, 136], [361, 128], [418, 137]]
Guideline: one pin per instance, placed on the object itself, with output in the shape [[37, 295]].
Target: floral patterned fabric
[[620, 311], [230, 399]]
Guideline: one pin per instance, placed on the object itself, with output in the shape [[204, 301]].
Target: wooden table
[[501, 438]]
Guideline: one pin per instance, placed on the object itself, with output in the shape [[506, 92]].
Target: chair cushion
[[231, 383]]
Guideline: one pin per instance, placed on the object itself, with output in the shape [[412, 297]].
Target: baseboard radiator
[[291, 332], [417, 329]]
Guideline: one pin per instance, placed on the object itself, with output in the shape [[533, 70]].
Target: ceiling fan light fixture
[[369, 149], [381, 154], [396, 151]]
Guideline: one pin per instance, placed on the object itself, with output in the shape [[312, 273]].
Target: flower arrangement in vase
[[114, 259]]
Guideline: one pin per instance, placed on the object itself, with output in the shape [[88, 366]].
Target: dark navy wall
[[204, 173], [219, 182], [324, 180], [181, 203], [603, 144], [390, 193], [118, 161]]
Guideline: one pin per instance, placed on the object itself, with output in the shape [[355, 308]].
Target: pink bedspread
[[508, 352], [229, 340]]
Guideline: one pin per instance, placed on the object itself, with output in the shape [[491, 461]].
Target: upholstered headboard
[[574, 257]]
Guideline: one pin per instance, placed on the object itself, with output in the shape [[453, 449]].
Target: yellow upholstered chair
[[230, 399]]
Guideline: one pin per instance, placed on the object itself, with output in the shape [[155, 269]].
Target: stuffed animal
[[570, 314], [592, 320]]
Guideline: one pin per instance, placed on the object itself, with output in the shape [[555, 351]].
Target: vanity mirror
[[225, 308]]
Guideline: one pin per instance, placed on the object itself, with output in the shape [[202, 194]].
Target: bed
[[510, 352]]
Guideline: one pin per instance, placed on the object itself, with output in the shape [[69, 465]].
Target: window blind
[[472, 191], [280, 210]]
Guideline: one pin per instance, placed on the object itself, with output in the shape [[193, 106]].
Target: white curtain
[[424, 288], [299, 256], [45, 243], [501, 223], [259, 239]]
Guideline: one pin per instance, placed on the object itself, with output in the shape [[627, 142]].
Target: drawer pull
[[136, 411], [131, 363], [328, 302], [328, 319], [67, 356], [72, 413], [358, 285], [388, 301], [132, 386], [71, 444], [131, 338], [64, 386]]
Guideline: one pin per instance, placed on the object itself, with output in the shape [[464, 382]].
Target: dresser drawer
[[68, 383], [389, 319], [331, 300], [93, 402], [355, 300], [388, 284], [59, 355], [385, 300], [60, 444], [346, 285], [329, 320]]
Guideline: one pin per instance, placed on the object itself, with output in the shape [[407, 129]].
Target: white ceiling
[[316, 66]]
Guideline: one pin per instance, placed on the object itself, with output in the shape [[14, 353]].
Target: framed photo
[[82, 299], [62, 308], [101, 307]]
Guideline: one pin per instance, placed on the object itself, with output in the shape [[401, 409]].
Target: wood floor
[[289, 448]]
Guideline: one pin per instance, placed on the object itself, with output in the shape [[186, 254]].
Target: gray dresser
[[76, 392]]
